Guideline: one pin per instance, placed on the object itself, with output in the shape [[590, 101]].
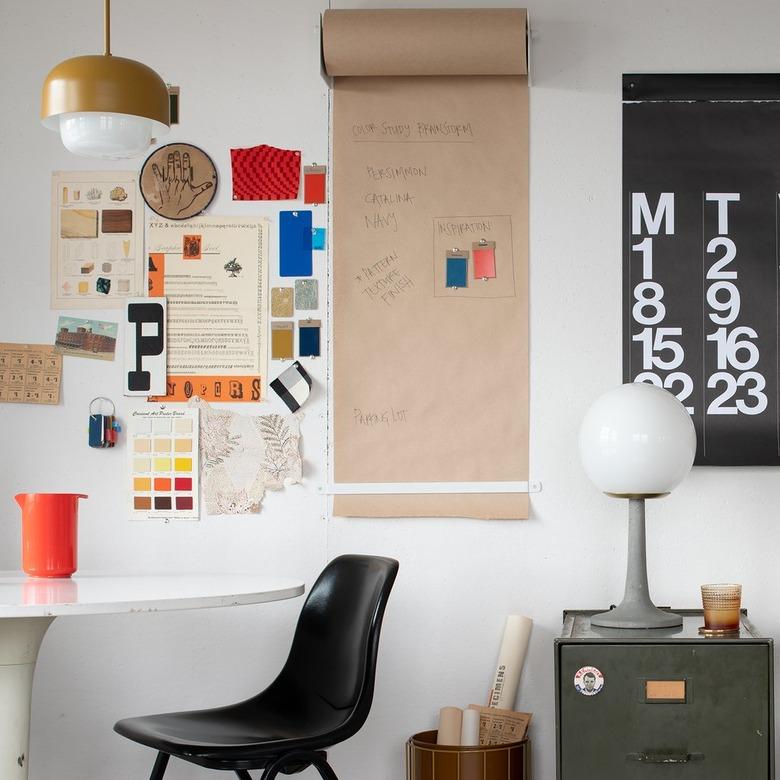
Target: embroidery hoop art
[[203, 172]]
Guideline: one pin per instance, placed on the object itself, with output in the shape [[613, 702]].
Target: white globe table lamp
[[637, 441]]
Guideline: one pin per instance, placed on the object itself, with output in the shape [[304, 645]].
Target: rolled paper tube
[[514, 645], [469, 730], [450, 719]]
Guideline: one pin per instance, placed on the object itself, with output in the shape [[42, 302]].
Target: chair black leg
[[325, 769], [300, 759], [272, 770], [243, 774], [159, 766]]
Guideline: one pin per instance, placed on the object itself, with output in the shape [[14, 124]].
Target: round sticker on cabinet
[[588, 681]]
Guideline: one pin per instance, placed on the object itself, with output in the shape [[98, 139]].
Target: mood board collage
[[190, 294]]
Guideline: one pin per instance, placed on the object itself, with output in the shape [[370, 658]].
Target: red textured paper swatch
[[265, 173], [484, 261], [314, 184]]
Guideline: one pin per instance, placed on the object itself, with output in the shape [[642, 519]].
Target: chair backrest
[[334, 650]]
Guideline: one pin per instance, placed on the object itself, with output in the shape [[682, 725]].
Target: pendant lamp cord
[[107, 27]]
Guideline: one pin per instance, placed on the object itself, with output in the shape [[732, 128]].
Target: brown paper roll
[[450, 723], [425, 42]]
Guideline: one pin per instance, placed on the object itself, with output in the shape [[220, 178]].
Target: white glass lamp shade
[[111, 136], [637, 440]]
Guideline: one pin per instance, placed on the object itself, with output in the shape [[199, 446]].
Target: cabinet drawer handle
[[665, 758]]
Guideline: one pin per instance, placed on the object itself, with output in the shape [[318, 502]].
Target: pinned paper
[[295, 240], [281, 301], [86, 338], [309, 338], [145, 346], [306, 294], [163, 486], [265, 173], [245, 455], [30, 374], [314, 183], [282, 340], [293, 386], [318, 238], [156, 277], [457, 268], [484, 253], [230, 388]]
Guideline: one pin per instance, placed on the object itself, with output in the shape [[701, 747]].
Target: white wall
[[249, 74]]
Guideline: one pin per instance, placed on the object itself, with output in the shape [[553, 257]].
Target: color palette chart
[[163, 447]]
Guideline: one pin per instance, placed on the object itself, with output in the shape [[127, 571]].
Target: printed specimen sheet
[[213, 272]]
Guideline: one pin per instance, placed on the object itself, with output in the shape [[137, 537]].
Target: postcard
[[86, 338]]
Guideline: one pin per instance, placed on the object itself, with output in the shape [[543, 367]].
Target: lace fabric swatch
[[244, 455]]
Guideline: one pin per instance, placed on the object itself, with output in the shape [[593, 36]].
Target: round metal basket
[[425, 760]]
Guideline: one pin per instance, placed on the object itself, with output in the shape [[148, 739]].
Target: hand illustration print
[[175, 186]]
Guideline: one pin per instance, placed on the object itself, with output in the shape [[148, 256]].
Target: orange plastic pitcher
[[49, 533]]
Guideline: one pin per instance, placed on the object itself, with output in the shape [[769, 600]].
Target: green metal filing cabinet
[[663, 703]]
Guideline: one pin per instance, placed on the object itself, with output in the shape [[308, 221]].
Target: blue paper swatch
[[457, 271], [295, 240], [308, 340], [318, 238]]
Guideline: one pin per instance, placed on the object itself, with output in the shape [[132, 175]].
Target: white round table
[[28, 606]]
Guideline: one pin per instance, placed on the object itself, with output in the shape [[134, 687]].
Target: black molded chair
[[321, 697]]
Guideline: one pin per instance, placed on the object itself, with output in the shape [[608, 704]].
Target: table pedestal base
[[20, 639]]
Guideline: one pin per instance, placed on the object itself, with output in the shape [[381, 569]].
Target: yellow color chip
[[142, 484], [183, 464], [83, 288], [183, 445], [162, 464], [162, 445], [142, 464], [142, 445]]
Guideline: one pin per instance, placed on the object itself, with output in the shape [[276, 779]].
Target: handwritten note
[[383, 280], [386, 417], [411, 132]]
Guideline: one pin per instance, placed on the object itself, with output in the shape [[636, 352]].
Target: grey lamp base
[[636, 610], [635, 615]]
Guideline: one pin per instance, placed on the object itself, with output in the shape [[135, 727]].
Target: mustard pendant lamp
[[105, 106]]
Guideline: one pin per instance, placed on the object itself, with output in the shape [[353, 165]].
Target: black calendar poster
[[701, 195]]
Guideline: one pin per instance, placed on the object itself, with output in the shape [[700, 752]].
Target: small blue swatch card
[[457, 271], [295, 238], [318, 238], [309, 338]]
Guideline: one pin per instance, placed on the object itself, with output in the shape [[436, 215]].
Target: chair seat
[[321, 697], [216, 733]]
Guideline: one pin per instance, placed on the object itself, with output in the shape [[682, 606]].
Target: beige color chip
[[430, 137]]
